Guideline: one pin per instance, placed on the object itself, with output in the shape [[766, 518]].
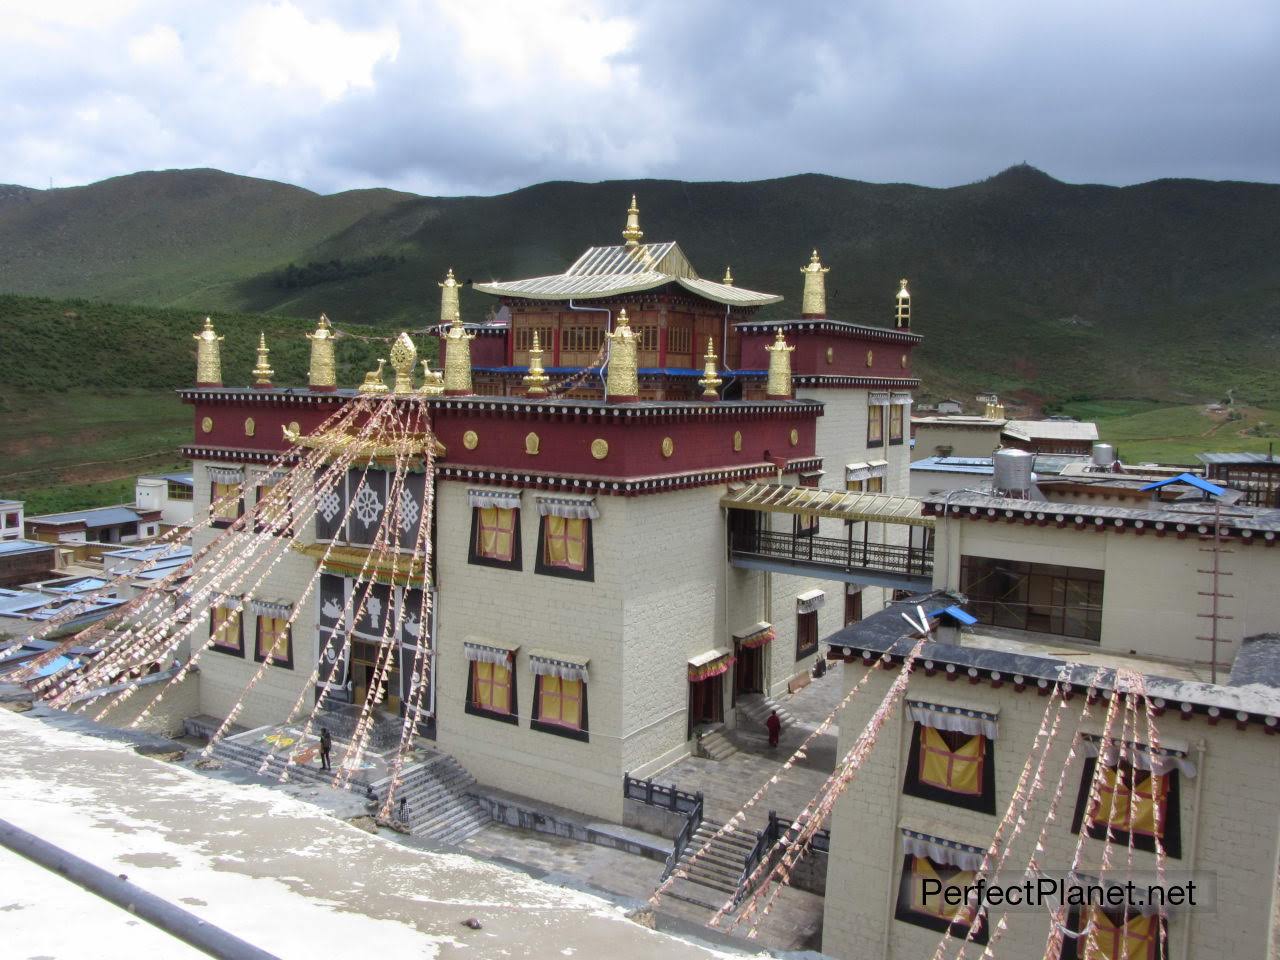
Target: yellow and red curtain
[[224, 501], [224, 627], [273, 638], [935, 905], [712, 668], [1130, 801], [757, 639], [496, 533], [1139, 939], [491, 686], [565, 542], [952, 761], [560, 701]]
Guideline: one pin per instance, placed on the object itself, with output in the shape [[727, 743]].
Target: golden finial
[[373, 382], [903, 315], [535, 382], [323, 374], [432, 381], [778, 384], [457, 360], [404, 357], [623, 382], [632, 234], [814, 303], [208, 356], [449, 309], [262, 372], [710, 381], [728, 277]]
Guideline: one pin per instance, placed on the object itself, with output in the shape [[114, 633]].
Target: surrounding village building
[[933, 475], [120, 524], [172, 494], [11, 526], [1055, 435], [1256, 475], [586, 624], [24, 560]]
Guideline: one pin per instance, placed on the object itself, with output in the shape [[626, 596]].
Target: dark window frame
[[904, 913], [912, 786], [517, 558], [258, 656], [476, 710], [582, 733], [1071, 945], [223, 523], [1172, 823], [258, 526], [220, 648], [896, 418], [803, 651], [875, 441], [992, 585], [588, 571]]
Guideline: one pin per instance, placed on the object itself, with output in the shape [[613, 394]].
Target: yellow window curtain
[[226, 627], [1136, 940], [895, 421], [958, 770], [273, 638], [561, 702], [922, 869], [492, 686], [875, 423], [224, 501], [565, 542], [496, 532], [1131, 807]]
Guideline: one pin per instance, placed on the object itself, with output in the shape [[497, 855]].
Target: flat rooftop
[[95, 517]]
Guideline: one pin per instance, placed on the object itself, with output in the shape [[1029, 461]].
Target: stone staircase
[[437, 801], [713, 877], [716, 745], [433, 799], [754, 709]]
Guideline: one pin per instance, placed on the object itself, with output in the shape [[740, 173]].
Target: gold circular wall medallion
[[904, 361], [668, 446], [294, 427], [795, 437], [206, 424], [870, 358], [599, 448], [471, 439], [531, 444], [737, 441], [831, 354], [249, 426]]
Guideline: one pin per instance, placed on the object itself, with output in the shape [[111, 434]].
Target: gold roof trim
[[409, 571], [334, 442], [836, 504]]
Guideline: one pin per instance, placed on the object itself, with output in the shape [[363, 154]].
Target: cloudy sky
[[483, 96]]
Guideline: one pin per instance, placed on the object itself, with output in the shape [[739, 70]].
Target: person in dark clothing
[[326, 744], [774, 726]]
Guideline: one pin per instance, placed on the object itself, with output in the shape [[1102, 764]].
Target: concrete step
[[708, 898], [754, 710], [717, 746]]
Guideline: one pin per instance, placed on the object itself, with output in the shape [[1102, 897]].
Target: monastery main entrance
[[364, 658], [748, 669]]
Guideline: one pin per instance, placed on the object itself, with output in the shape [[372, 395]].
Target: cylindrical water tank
[[1013, 472], [1104, 455]]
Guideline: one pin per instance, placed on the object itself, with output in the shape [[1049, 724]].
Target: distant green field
[[1147, 431]]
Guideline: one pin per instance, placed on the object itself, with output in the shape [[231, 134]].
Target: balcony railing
[[846, 554]]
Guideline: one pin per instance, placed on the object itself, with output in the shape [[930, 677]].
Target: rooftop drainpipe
[[608, 329]]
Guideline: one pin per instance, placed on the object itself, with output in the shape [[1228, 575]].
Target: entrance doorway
[[364, 662], [706, 702], [748, 670]]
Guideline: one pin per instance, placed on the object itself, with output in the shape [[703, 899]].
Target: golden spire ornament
[[373, 382], [404, 357], [450, 311], [623, 382], [778, 384], [903, 315], [457, 360], [814, 303], [535, 382], [208, 356], [632, 234], [728, 277], [323, 373], [262, 372], [432, 381], [710, 381]]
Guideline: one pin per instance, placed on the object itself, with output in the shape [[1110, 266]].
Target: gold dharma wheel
[[668, 446], [471, 439], [599, 448]]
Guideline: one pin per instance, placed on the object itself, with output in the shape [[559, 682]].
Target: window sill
[[559, 731], [475, 711], [512, 564], [277, 662], [875, 443], [564, 572], [229, 651], [979, 804]]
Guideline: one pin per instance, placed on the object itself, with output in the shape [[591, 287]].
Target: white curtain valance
[[810, 601], [484, 653], [900, 399], [940, 716], [572, 508], [228, 601], [877, 399], [949, 852], [543, 663], [502, 499], [271, 608], [856, 472], [1142, 756], [269, 478], [226, 474]]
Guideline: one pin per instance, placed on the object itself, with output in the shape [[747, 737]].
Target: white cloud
[[159, 46]]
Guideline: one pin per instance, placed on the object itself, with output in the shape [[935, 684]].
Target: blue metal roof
[[956, 613], [14, 548], [98, 517], [974, 465], [1200, 483], [186, 479]]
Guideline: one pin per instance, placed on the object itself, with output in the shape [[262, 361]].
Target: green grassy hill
[[1167, 291]]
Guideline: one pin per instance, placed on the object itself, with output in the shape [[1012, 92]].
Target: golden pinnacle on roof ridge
[[728, 277], [262, 372], [814, 303], [536, 380], [457, 360], [632, 234], [208, 356], [450, 310], [778, 382], [322, 373], [622, 384], [710, 381], [404, 357], [902, 307]]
